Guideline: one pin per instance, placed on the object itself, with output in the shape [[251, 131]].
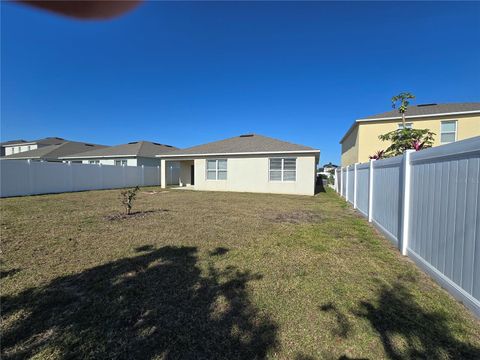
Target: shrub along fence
[[25, 177], [428, 204]]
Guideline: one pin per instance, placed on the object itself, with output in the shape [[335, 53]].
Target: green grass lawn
[[209, 275]]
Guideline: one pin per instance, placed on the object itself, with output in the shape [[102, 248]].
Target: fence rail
[[22, 177], [428, 204]]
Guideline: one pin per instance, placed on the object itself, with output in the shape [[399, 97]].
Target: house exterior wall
[[251, 174], [368, 143], [350, 148], [130, 162], [9, 150]]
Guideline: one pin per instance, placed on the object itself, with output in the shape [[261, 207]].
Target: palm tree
[[402, 98]]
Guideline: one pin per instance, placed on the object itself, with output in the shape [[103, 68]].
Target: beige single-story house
[[246, 163]]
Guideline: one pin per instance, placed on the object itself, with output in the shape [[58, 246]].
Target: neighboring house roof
[[134, 148], [44, 141], [419, 111], [11, 142], [330, 165], [54, 152], [428, 109], [248, 143]]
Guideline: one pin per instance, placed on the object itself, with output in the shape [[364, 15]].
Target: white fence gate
[[428, 204], [22, 177]]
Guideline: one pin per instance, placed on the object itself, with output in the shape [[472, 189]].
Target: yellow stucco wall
[[350, 148], [368, 142]]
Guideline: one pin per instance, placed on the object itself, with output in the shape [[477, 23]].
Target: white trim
[[241, 153], [420, 116]]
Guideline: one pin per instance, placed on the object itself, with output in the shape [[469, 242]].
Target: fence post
[[341, 181], [70, 175], [159, 175], [100, 175], [347, 180], [30, 177], [407, 181], [336, 182], [355, 185], [143, 175], [370, 191], [124, 173]]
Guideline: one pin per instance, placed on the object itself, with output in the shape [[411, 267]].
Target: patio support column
[[163, 173]]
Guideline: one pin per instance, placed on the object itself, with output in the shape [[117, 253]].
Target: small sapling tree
[[128, 197]]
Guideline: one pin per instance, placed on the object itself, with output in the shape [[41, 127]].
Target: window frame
[[93, 162], [217, 169], [123, 162], [448, 132], [282, 170]]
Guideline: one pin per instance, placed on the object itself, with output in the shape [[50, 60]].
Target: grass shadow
[[157, 304], [408, 331]]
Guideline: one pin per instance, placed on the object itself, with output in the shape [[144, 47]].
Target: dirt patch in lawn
[[296, 217], [133, 215]]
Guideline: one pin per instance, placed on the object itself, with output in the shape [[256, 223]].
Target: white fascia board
[[241, 153], [421, 116]]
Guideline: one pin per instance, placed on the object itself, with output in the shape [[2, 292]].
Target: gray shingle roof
[[428, 109], [54, 152], [9, 142], [134, 148], [242, 144]]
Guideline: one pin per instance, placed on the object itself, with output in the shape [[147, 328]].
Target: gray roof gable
[[248, 143], [134, 148]]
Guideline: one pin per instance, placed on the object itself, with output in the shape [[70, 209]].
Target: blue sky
[[190, 73]]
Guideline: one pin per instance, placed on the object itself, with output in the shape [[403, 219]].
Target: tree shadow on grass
[[157, 304], [409, 332]]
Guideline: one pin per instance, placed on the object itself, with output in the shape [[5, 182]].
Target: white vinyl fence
[[22, 177], [428, 204]]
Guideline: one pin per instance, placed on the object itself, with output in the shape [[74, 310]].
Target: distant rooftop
[[428, 109], [55, 151], [134, 148]]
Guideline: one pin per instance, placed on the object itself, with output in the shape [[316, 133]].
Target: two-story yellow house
[[450, 122]]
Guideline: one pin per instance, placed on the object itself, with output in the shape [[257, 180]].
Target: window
[[407, 126], [94, 161], [448, 131], [283, 169], [217, 169], [121, 162]]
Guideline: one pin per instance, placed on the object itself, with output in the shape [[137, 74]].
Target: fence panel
[[344, 182], [362, 188], [20, 177], [387, 201], [351, 184], [441, 229], [445, 217]]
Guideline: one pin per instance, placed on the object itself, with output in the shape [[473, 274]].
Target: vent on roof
[[89, 145], [422, 105], [157, 144], [246, 135], [133, 142], [57, 138], [168, 145]]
